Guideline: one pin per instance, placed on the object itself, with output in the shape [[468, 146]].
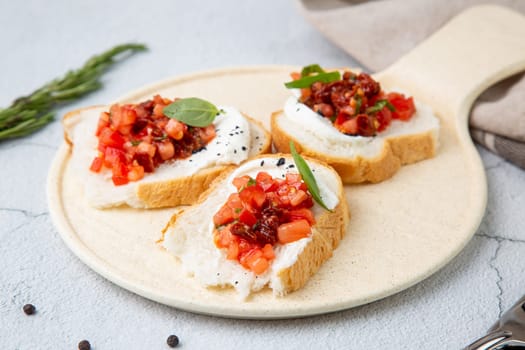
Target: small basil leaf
[[313, 68], [192, 111], [379, 105], [305, 82], [307, 175]]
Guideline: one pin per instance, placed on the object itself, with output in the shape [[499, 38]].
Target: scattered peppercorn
[[84, 345], [29, 309], [172, 341]]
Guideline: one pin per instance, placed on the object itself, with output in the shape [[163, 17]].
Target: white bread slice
[[173, 183], [357, 159], [189, 234]]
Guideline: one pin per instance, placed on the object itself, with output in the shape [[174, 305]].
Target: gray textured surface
[[40, 39]]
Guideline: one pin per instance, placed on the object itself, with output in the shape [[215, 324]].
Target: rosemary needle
[[30, 113]]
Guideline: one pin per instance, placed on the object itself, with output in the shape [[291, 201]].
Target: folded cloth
[[378, 32]]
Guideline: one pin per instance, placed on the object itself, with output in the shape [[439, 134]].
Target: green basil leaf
[[379, 105], [307, 175], [135, 142], [305, 82], [313, 68], [192, 111]]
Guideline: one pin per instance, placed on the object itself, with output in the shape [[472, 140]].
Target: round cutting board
[[401, 230]]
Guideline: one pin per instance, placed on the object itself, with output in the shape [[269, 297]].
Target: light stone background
[[39, 40]]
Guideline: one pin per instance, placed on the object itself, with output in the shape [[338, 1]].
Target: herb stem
[[29, 113]]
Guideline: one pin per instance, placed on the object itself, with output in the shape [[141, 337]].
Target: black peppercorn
[[172, 341], [84, 345], [29, 309]]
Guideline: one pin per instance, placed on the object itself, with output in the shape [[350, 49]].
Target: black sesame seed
[[218, 154], [242, 132], [84, 345], [281, 161], [234, 151], [262, 162], [291, 166], [243, 148], [236, 282], [230, 134], [29, 309], [236, 126], [172, 341], [256, 137]]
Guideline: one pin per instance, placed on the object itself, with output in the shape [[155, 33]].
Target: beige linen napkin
[[377, 33]]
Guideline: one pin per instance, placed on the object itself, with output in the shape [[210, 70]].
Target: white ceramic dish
[[401, 230]]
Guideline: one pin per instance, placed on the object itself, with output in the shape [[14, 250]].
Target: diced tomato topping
[[103, 122], [223, 216], [166, 150], [302, 213], [111, 138], [384, 117], [175, 129], [119, 180], [266, 182], [355, 104], [404, 107], [293, 231], [96, 165], [264, 211], [247, 217], [268, 252], [136, 173], [241, 182], [233, 250], [253, 196], [139, 137], [207, 134]]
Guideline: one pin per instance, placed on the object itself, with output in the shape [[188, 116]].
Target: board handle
[[450, 69]]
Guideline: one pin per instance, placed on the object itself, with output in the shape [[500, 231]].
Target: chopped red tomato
[[136, 138], [355, 104], [263, 212], [293, 231], [384, 117], [96, 165], [404, 107]]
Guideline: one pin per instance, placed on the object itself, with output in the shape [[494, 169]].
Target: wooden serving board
[[401, 231]]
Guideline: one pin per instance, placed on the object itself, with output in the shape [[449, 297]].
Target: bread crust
[[396, 151], [329, 229], [173, 192]]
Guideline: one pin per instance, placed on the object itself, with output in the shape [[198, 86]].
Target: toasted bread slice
[[358, 159], [189, 234], [171, 184]]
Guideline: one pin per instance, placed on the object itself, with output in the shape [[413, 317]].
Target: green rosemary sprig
[[30, 113]]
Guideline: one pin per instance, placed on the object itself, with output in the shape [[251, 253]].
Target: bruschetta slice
[[136, 155], [259, 226], [349, 122]]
